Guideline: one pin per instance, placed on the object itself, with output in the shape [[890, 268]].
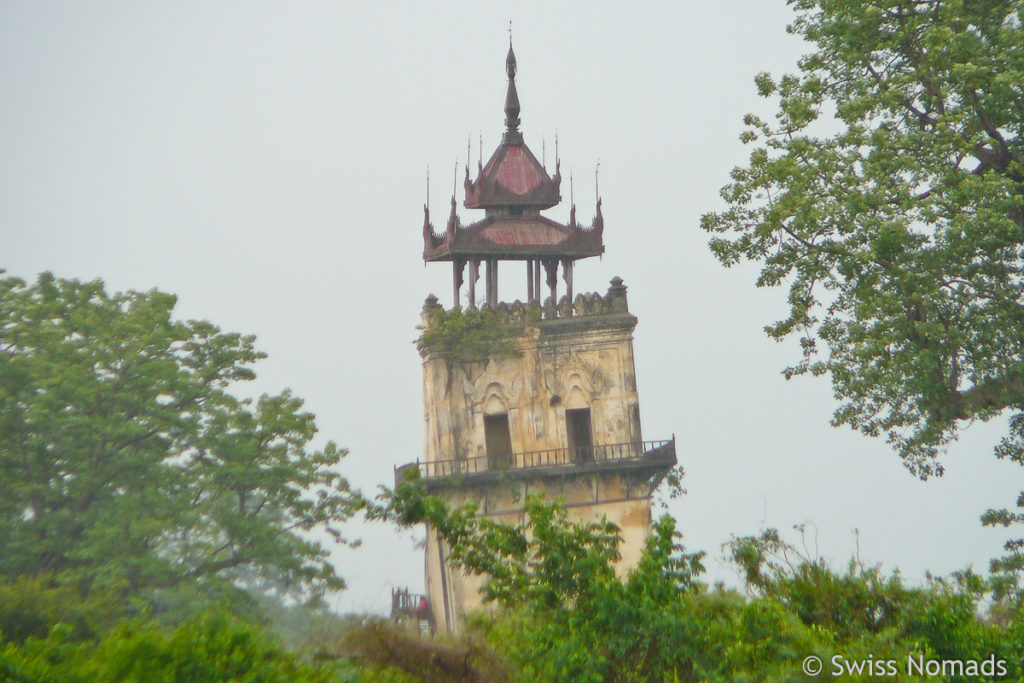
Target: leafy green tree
[[31, 606], [860, 601], [127, 466], [397, 654], [888, 196], [211, 647], [563, 615]]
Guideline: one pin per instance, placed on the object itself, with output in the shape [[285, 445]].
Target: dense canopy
[[127, 465], [888, 196]]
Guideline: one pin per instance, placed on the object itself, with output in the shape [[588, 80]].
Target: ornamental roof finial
[[511, 97]]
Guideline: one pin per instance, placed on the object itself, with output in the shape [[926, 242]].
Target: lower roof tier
[[508, 236]]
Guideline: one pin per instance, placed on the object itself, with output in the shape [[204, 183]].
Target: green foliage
[[128, 468], [212, 647], [312, 632], [564, 615], [398, 654], [31, 606], [552, 559], [888, 195], [467, 336], [856, 602]]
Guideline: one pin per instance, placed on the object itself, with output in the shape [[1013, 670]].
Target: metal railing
[[405, 603], [551, 457]]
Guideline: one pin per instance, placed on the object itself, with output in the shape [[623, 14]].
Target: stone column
[[529, 280], [567, 265], [551, 270], [474, 275], [457, 266], [489, 281]]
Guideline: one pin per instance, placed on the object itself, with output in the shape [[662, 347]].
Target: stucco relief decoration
[[492, 398], [594, 381]]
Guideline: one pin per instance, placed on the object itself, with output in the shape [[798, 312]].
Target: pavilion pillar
[[567, 265], [551, 270], [457, 267], [491, 276], [494, 293], [529, 281], [474, 275], [488, 281], [536, 281]]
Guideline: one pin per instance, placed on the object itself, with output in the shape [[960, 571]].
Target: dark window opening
[[499, 441], [577, 427]]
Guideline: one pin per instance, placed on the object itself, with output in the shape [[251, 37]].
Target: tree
[[888, 195], [563, 614], [127, 465], [209, 647]]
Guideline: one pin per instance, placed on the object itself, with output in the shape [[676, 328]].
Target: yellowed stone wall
[[580, 362], [633, 516], [573, 363]]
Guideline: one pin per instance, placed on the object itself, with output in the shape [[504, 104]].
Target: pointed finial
[[510, 33], [597, 191], [453, 219], [511, 96], [510, 62], [428, 187], [572, 202], [455, 178]]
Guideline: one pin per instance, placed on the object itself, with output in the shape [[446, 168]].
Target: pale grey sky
[[265, 161]]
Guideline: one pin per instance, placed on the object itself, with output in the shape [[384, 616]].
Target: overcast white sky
[[265, 161]]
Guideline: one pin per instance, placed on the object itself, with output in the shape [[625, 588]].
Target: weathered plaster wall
[[632, 516], [567, 363], [575, 363]]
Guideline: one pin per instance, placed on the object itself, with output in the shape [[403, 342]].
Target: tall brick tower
[[560, 413]]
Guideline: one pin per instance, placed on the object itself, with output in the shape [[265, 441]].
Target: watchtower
[[557, 408]]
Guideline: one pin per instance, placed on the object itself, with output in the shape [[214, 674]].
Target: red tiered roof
[[513, 187], [516, 173], [513, 177]]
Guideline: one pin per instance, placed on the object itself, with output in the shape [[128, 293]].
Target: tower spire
[[511, 96]]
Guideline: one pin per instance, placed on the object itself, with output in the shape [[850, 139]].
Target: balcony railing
[[548, 458]]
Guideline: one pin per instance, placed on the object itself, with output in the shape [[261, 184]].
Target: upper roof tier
[[512, 177]]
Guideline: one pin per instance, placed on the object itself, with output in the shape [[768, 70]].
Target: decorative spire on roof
[[512, 177], [511, 97]]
